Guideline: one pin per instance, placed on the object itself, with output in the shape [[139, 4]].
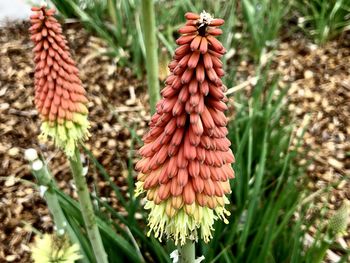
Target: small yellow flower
[[54, 249]]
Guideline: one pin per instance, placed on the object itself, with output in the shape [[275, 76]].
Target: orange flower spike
[[187, 158], [59, 96]]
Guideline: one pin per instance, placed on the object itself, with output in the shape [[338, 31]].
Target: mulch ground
[[319, 99], [318, 96]]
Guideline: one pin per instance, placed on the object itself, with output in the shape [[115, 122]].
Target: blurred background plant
[[269, 200], [268, 14], [323, 20]]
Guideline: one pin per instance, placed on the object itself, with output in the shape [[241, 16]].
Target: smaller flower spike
[[59, 96], [186, 157]]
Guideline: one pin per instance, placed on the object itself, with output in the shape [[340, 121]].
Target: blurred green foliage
[[323, 19], [262, 20]]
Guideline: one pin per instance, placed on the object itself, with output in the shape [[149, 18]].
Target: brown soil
[[320, 89]]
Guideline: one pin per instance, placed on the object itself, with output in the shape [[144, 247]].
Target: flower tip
[[37, 165], [205, 17], [43, 3], [35, 8], [191, 16], [175, 256], [217, 22], [30, 154], [42, 190], [60, 232]]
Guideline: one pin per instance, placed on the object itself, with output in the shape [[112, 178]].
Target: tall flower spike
[[186, 157], [59, 96]]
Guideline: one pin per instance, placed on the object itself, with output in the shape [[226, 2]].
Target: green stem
[[87, 208], [45, 179], [149, 28], [187, 252], [112, 12], [322, 251]]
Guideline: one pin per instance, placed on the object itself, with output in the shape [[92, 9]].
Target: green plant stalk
[[187, 252], [112, 12], [322, 251], [149, 28], [44, 178], [87, 208]]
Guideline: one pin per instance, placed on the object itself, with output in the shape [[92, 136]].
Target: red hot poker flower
[[186, 157], [59, 95]]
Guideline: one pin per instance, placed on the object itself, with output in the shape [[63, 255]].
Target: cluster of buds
[[186, 157], [59, 96]]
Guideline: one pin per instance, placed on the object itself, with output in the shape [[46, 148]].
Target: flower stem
[[45, 179], [112, 12], [187, 252], [321, 251], [87, 208], [149, 28]]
